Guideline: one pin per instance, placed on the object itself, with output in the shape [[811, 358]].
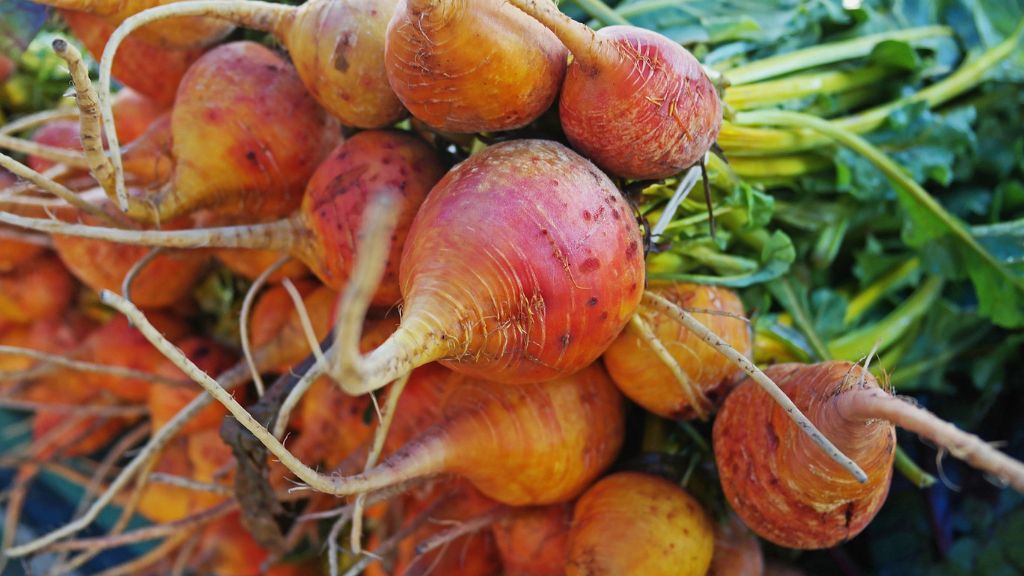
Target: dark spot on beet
[[592, 301], [565, 340], [250, 156], [604, 315], [590, 265], [586, 215], [631, 249]]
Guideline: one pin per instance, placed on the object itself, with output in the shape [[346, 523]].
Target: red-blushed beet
[[520, 445], [781, 485], [152, 70], [118, 343], [60, 134], [477, 66], [636, 103], [165, 401], [41, 289], [103, 265], [149, 159], [249, 264], [449, 503], [193, 33], [633, 523], [534, 541], [370, 164], [337, 47], [134, 113], [643, 375], [523, 264], [737, 550], [246, 136], [7, 67]]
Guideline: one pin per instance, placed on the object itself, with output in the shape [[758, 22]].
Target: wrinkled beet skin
[[472, 66], [785, 488], [338, 50], [635, 118], [525, 261], [368, 165]]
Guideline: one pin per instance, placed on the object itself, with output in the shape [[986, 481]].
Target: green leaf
[[896, 54]]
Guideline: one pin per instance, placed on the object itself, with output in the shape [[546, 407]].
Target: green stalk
[[912, 192], [854, 345], [877, 289], [827, 54], [904, 465], [802, 319], [601, 12], [738, 138], [768, 93]]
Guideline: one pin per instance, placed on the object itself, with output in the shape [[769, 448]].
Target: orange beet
[[737, 550], [246, 136], [87, 434], [134, 114], [472, 67], [635, 102], [166, 503], [165, 401], [52, 335], [519, 445], [15, 253], [250, 264], [337, 47], [191, 33], [276, 334], [782, 486], [40, 290], [118, 343], [448, 504], [150, 69], [645, 378], [534, 541], [632, 523], [103, 265]]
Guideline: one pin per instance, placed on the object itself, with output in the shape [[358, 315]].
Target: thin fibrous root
[[386, 546], [350, 369], [279, 235], [92, 367], [32, 120], [379, 436], [461, 529], [234, 11], [88, 119], [71, 158], [243, 322], [59, 190], [150, 532], [136, 269], [140, 564], [100, 411], [284, 413], [875, 403], [694, 395], [672, 310], [230, 379]]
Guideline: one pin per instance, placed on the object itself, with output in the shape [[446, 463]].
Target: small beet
[[472, 67]]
